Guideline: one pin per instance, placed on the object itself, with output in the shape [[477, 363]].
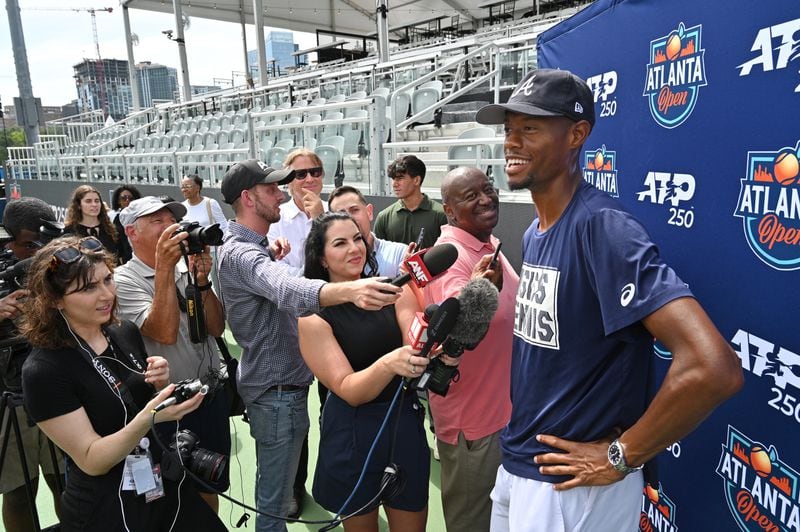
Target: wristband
[[204, 287]]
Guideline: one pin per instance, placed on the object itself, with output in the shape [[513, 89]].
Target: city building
[[108, 82], [279, 46], [157, 83]]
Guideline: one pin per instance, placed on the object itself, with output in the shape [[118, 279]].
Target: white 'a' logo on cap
[[578, 108], [263, 165]]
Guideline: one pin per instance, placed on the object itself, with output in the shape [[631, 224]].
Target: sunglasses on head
[[73, 252], [315, 172]]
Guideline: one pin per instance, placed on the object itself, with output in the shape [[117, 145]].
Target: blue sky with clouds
[[58, 39]]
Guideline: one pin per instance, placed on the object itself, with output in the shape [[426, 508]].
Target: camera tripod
[[8, 406]]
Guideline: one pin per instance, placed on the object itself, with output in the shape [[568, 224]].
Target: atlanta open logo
[[600, 169], [658, 511], [769, 206], [675, 74], [761, 490]]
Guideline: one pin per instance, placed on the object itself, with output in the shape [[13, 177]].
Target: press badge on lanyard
[[140, 474]]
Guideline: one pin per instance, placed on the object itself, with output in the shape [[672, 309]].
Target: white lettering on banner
[[666, 187], [536, 311], [775, 57], [764, 359], [603, 85], [769, 198]]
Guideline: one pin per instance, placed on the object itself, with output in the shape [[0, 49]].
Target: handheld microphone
[[426, 264], [479, 301], [186, 389], [441, 324], [418, 332]]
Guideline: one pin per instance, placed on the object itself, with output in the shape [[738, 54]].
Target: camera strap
[[114, 382]]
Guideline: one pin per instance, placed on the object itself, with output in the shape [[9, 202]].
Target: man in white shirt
[[303, 206]]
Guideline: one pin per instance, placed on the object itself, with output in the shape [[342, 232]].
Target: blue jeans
[[279, 424]]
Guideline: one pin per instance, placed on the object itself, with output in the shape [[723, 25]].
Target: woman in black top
[[122, 197], [361, 358], [89, 385], [87, 216]]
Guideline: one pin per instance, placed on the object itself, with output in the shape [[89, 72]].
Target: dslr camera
[[207, 465], [199, 236]]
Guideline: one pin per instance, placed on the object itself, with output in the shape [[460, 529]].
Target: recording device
[[478, 302], [426, 264], [207, 465], [13, 270], [441, 323], [420, 238], [184, 390], [493, 262], [199, 237]]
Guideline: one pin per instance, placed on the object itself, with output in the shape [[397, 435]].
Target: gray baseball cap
[[148, 205]]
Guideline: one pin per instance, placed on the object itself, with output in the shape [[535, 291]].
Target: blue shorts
[[346, 436]]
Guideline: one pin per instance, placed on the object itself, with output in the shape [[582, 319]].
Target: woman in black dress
[[122, 197], [89, 385], [87, 216], [361, 358]]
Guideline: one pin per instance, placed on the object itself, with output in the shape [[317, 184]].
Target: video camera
[[199, 237]]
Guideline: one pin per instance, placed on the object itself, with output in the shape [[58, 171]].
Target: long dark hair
[[75, 216], [315, 244], [48, 281]]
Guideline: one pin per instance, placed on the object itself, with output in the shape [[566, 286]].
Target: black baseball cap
[[245, 175], [545, 92]]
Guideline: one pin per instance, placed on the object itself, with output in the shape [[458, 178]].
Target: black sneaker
[[296, 504]]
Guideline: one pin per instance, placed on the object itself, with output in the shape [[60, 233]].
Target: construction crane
[[99, 69]]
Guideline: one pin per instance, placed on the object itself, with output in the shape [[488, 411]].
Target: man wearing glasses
[[303, 206]]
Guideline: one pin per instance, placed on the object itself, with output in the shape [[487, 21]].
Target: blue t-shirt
[[582, 360]]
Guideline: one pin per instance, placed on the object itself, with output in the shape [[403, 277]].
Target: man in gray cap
[[151, 292], [263, 299], [593, 293]]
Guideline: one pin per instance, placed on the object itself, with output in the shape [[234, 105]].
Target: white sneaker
[[435, 450]]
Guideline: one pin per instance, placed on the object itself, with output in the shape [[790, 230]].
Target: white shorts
[[526, 505]]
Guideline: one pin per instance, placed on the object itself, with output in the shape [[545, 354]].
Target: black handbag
[[235, 401]]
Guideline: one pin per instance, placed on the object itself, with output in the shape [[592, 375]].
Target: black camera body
[[440, 375], [207, 465], [199, 236]]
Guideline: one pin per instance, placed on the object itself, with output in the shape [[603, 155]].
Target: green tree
[[12, 136]]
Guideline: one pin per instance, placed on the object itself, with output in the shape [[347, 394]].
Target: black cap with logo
[[245, 175], [545, 92]]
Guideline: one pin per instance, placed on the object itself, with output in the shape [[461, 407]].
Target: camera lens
[[208, 465]]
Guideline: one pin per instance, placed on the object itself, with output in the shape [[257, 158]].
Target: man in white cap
[[151, 292]]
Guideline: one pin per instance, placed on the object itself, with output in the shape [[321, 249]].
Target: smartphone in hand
[[420, 237], [495, 256]]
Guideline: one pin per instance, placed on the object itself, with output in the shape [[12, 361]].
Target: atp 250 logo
[[600, 169], [769, 206], [774, 46], [761, 490], [603, 87], [675, 74], [673, 189]]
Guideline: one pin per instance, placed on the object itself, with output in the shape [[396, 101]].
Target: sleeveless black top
[[365, 336]]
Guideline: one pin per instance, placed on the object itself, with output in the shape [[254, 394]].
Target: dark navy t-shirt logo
[[536, 312]]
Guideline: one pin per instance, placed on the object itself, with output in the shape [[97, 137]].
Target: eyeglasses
[[125, 197], [315, 172], [70, 254]]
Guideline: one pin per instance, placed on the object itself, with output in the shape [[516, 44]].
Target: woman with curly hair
[[122, 197], [87, 216], [89, 385], [361, 358]]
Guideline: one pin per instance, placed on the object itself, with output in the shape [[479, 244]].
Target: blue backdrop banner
[[698, 135]]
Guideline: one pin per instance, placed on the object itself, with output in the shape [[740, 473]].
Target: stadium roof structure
[[346, 16]]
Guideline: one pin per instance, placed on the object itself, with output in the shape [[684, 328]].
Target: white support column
[[258, 19], [187, 87], [132, 71]]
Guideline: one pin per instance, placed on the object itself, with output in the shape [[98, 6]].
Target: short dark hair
[[118, 192], [197, 180], [346, 189], [26, 213], [407, 164]]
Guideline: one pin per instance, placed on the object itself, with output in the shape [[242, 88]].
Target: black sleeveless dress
[[348, 433]]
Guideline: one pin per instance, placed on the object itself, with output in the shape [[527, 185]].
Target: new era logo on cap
[[545, 92]]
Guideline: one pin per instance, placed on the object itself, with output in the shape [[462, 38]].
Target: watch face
[[614, 454]]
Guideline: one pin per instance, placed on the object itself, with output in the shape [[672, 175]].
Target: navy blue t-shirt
[[582, 360]]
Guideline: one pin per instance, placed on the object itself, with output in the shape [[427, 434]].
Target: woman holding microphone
[[361, 358]]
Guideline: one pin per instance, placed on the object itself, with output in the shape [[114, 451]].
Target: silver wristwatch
[[616, 456]]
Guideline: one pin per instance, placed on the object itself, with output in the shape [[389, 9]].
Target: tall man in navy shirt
[[593, 293]]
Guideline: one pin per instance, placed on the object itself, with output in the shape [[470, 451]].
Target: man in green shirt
[[402, 220]]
